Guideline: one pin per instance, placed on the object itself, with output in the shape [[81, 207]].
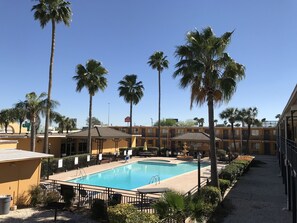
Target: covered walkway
[[258, 197]]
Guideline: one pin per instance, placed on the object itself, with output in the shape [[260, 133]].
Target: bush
[[22, 200], [127, 213], [36, 196], [221, 154], [201, 209], [230, 173], [211, 195], [224, 185], [68, 164], [51, 196], [153, 150]]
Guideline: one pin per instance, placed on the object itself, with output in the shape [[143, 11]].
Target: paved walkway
[[258, 197]]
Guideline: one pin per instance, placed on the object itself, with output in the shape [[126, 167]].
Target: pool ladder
[[155, 179], [81, 173]]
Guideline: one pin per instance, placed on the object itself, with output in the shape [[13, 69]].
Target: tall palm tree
[[211, 74], [248, 116], [92, 77], [231, 114], [132, 92], [158, 61], [6, 116], [53, 11]]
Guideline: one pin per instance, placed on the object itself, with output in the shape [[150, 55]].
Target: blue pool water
[[135, 175]]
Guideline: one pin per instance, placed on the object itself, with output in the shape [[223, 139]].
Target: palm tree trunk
[[213, 157], [33, 134], [90, 125], [159, 114], [233, 136], [20, 128], [130, 131], [48, 106]]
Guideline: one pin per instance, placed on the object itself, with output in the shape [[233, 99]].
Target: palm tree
[[6, 116], [92, 77], [158, 61], [54, 11], [35, 105], [94, 121], [211, 74], [248, 116], [65, 123], [20, 113], [230, 114], [70, 124], [132, 92], [172, 206]]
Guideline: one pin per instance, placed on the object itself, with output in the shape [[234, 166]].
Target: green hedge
[[235, 169], [127, 213], [211, 195], [224, 185], [68, 164]]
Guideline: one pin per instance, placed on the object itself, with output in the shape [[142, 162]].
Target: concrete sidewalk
[[258, 196]]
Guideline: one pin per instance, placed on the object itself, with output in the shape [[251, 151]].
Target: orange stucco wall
[[24, 144], [8, 144], [18, 178], [109, 146]]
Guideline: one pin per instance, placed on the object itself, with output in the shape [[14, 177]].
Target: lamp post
[[199, 173]]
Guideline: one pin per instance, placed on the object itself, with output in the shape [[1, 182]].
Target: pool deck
[[181, 183]]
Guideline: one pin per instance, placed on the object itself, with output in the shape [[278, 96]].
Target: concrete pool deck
[[182, 183]]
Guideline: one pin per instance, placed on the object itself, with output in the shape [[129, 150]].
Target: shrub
[[22, 200], [127, 213], [221, 154], [36, 195], [201, 209], [68, 164], [210, 195], [51, 196], [153, 150], [224, 184]]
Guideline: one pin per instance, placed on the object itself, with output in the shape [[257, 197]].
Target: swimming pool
[[136, 174]]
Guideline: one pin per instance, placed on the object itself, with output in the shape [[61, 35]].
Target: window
[[164, 131], [255, 132], [180, 131], [82, 147], [149, 130], [256, 146], [150, 142]]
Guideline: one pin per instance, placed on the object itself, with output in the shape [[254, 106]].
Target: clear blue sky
[[123, 34]]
